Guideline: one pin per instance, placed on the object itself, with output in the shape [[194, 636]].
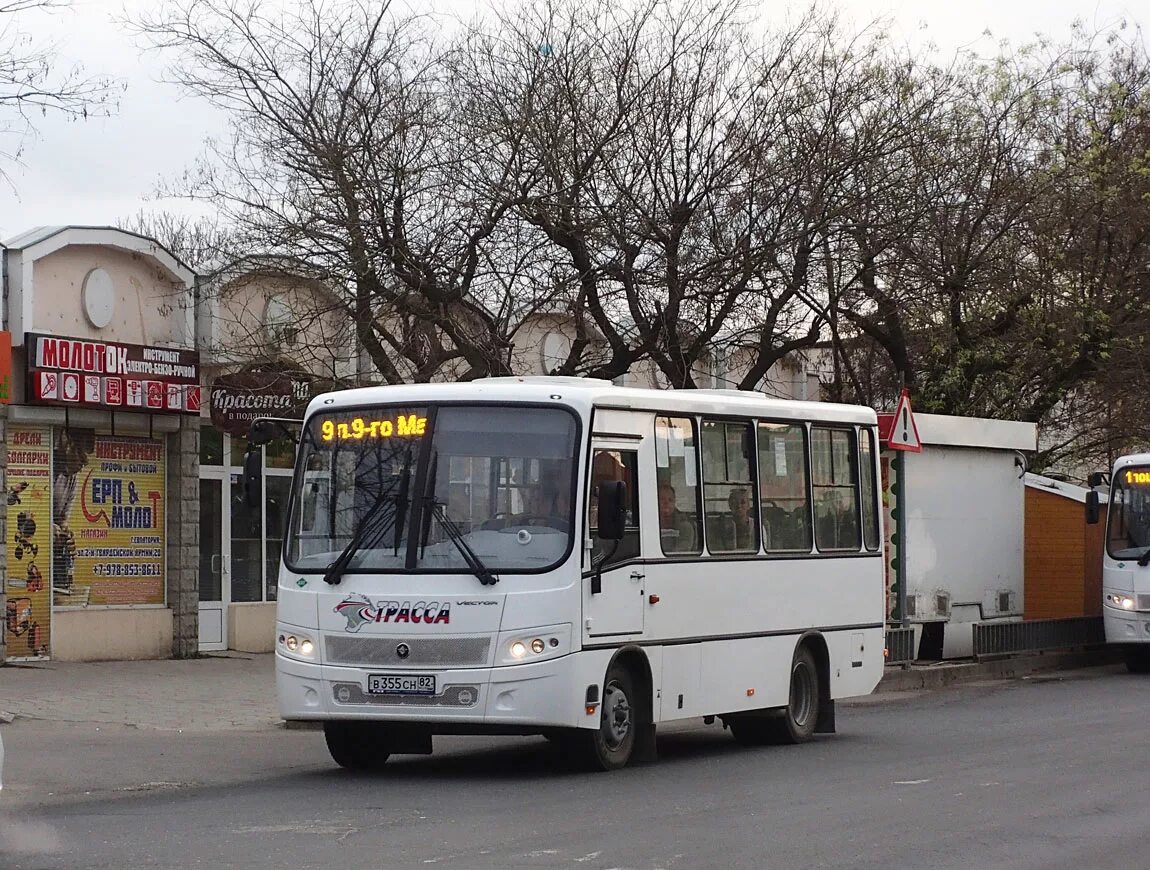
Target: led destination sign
[[359, 429], [1136, 477]]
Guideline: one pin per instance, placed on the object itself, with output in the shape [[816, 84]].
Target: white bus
[[1126, 559], [565, 557]]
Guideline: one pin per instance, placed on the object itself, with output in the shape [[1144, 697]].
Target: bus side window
[[869, 488], [834, 470], [677, 490], [732, 521], [609, 465], [783, 495]]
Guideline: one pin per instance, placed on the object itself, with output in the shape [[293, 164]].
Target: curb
[[939, 675]]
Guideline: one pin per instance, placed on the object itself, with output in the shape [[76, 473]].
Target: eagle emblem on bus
[[359, 610]]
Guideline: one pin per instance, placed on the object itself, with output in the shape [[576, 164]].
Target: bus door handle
[[637, 576]]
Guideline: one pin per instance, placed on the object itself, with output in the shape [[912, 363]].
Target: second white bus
[[570, 558], [1126, 559]]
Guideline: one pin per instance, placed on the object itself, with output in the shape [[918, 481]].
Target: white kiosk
[[963, 531]]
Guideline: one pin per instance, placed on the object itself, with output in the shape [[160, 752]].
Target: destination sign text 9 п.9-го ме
[[359, 429]]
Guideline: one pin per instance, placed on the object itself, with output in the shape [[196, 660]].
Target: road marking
[[151, 786], [910, 781], [315, 827]]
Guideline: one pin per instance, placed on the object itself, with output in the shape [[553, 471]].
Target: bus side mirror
[[1096, 478], [612, 510], [1092, 512], [253, 476]]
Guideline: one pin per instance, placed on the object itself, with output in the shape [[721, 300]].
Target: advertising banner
[[28, 616], [107, 374], [108, 507]]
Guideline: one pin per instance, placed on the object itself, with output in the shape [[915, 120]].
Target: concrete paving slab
[[211, 693]]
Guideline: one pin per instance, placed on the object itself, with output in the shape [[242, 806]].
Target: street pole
[[900, 527]]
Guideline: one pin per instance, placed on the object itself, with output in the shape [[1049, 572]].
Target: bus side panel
[[747, 674], [728, 676], [856, 661], [680, 688], [738, 599]]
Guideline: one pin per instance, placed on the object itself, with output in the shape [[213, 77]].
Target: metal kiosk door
[[617, 608]]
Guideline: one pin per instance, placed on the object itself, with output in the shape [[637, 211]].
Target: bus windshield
[[420, 488], [1128, 525]]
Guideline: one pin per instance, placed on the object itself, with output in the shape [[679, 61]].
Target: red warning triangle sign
[[903, 431]]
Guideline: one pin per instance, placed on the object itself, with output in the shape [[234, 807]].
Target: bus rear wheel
[[794, 723], [612, 744], [356, 745]]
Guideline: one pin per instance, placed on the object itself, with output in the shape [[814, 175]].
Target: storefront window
[[278, 488], [247, 547], [238, 447], [280, 453], [211, 446]]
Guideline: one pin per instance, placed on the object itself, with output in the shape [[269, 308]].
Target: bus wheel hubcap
[[616, 716], [802, 694]]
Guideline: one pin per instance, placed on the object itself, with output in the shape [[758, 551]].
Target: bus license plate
[[400, 684]]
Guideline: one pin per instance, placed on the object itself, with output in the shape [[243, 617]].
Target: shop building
[[101, 433]]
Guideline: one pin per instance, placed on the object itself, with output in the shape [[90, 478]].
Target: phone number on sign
[[126, 570]]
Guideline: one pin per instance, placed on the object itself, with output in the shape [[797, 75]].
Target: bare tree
[[33, 83], [199, 242], [345, 153]]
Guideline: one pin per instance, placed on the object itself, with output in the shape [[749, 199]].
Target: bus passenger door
[[617, 608]]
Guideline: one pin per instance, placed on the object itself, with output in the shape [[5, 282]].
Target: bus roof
[[1131, 459], [587, 393]]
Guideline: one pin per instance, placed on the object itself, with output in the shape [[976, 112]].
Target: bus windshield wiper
[[334, 572], [456, 536], [398, 501]]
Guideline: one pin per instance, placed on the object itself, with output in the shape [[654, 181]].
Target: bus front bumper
[[547, 694], [1126, 626]]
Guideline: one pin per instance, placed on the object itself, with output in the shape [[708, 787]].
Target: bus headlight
[[535, 644], [1118, 599], [295, 644]]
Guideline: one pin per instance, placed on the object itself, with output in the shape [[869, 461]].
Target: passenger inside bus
[[676, 528], [741, 524]]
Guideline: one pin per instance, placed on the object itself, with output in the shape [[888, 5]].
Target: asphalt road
[[1048, 772]]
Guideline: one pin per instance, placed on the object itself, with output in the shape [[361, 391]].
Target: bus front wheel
[[611, 745], [356, 745]]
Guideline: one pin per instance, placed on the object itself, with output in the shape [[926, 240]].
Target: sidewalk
[[236, 691], [213, 693]]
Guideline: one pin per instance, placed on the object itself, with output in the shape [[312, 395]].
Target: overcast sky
[[102, 170]]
